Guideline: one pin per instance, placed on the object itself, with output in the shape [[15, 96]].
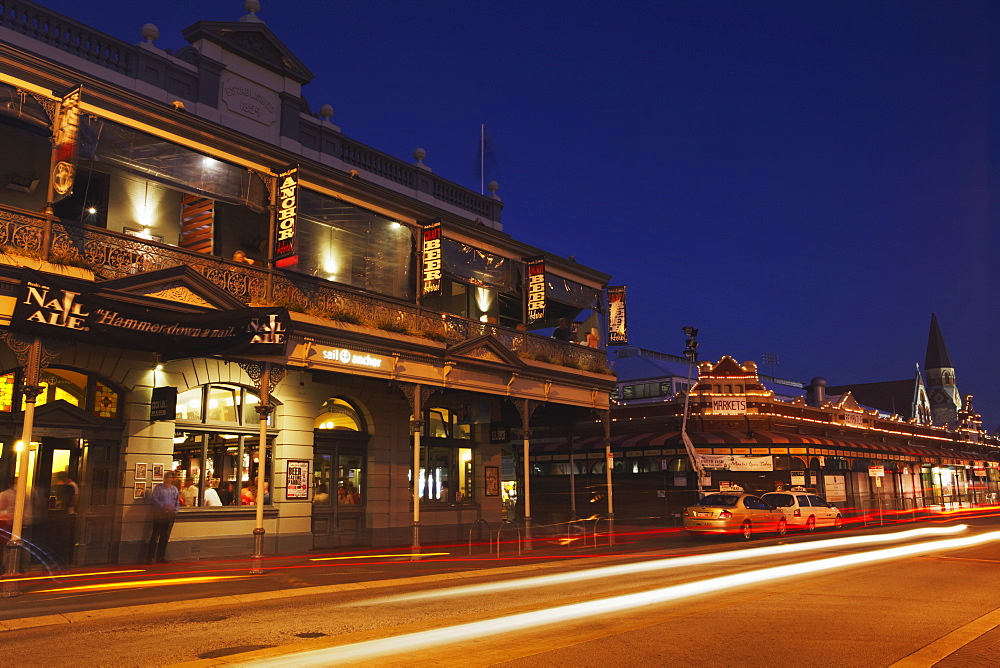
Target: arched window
[[81, 389], [339, 415]]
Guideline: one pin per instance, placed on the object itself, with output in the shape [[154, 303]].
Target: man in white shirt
[[212, 497]]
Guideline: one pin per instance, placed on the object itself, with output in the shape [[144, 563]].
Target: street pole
[[525, 409], [414, 394], [264, 409], [609, 465], [14, 547], [266, 376], [691, 352]]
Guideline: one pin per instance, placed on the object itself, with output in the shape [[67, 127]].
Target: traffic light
[[691, 344]]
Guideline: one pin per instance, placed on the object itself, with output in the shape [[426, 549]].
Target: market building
[[759, 433], [201, 275]]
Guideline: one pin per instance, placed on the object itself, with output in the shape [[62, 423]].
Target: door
[[55, 498], [339, 493]]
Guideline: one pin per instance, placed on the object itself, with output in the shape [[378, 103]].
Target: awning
[[758, 438]]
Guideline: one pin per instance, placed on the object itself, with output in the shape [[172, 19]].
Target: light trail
[[675, 562], [70, 575], [384, 556], [411, 642], [142, 584]]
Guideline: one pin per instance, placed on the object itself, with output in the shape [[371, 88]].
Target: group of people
[[347, 495], [563, 332]]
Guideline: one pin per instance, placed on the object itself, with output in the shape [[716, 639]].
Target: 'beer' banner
[[286, 247], [617, 332], [536, 288], [430, 248], [64, 165], [59, 307]]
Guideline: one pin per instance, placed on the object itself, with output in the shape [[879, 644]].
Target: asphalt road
[[715, 604]]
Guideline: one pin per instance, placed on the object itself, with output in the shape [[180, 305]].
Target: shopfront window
[[227, 463], [216, 446]]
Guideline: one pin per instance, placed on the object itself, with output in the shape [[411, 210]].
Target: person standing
[[226, 494], [212, 497], [166, 500]]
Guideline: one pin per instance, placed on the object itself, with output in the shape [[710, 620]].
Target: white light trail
[[411, 642], [675, 562]]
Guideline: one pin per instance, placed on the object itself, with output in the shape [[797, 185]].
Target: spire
[[937, 353]]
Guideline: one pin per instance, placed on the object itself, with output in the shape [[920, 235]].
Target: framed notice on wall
[[492, 479], [297, 479]]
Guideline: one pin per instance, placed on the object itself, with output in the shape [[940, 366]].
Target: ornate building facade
[[200, 275]]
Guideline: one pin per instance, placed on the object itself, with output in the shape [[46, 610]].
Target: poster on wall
[[492, 480], [157, 472], [836, 488], [297, 479], [139, 490], [140, 471], [617, 330]]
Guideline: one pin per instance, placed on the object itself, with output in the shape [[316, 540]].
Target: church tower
[[944, 398]]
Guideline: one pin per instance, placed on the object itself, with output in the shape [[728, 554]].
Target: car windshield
[[780, 500], [726, 500]]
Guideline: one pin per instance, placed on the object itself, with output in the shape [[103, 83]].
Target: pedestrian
[[165, 499]]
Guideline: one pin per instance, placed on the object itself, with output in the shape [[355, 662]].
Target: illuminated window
[[74, 387], [218, 404], [105, 401], [227, 459], [7, 386], [339, 415]]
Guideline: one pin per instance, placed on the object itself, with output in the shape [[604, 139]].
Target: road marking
[[949, 644]]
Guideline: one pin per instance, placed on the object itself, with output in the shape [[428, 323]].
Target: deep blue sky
[[810, 179]]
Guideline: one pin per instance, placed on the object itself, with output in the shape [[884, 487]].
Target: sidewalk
[[126, 589]]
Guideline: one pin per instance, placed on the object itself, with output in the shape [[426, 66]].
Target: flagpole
[[482, 156]]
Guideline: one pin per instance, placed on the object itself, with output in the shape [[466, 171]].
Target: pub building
[[873, 448], [199, 274]]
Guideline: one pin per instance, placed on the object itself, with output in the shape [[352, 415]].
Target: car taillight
[[725, 514], [797, 513], [686, 514]]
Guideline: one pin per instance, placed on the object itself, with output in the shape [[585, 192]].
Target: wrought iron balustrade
[[114, 255]]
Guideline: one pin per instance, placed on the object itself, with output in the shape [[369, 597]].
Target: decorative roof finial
[[150, 33], [252, 7], [419, 154], [326, 112]]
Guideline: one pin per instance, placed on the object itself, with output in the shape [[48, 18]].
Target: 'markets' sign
[[50, 306], [285, 244]]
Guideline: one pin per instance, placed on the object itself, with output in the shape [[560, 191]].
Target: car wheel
[[782, 527], [746, 530], [811, 524], [838, 522]]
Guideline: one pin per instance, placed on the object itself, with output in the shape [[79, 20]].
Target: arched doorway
[[340, 483]]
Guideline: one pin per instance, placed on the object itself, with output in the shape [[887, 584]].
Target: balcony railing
[[113, 255]]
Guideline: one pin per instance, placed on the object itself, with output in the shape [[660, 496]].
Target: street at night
[[563, 333], [911, 593]]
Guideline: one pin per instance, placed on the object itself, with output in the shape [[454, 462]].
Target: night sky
[[810, 179]]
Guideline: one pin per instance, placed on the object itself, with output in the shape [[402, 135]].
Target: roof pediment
[[848, 401], [63, 413], [253, 41], [484, 349], [179, 285], [727, 366]]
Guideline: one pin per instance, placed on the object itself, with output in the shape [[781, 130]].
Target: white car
[[806, 511]]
